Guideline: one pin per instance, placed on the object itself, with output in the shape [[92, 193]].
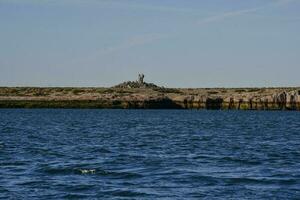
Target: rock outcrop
[[137, 84], [143, 95]]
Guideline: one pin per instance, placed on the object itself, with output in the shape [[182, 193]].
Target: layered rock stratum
[[151, 97]]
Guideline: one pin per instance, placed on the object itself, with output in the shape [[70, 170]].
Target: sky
[[175, 43]]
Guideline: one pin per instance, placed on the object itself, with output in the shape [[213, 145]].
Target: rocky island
[[142, 95]]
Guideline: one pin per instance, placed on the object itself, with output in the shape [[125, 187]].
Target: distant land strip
[[152, 98]]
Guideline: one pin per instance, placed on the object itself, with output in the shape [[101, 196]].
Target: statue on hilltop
[[141, 79], [140, 83]]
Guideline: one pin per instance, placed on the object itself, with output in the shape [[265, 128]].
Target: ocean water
[[149, 154]]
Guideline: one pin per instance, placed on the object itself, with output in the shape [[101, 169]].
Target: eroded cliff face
[[277, 101], [154, 98]]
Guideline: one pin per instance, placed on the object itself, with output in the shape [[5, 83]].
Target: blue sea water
[[149, 154]]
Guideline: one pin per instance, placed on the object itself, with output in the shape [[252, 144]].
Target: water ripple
[[149, 154]]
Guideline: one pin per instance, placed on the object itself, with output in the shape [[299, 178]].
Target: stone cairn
[[140, 83]]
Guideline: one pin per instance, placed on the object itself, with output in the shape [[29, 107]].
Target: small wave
[[103, 150], [251, 180], [126, 175], [14, 163], [243, 161], [45, 152], [99, 149], [77, 187], [227, 159], [3, 190], [76, 196], [87, 171], [57, 170], [127, 193], [31, 183], [69, 170]]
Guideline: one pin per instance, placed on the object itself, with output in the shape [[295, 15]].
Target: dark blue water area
[[149, 154]]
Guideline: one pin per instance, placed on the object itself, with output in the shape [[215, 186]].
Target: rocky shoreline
[[152, 98]]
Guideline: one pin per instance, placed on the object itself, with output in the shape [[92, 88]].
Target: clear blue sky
[[175, 43]]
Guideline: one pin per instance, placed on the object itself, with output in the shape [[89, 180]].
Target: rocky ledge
[[141, 95], [152, 98]]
